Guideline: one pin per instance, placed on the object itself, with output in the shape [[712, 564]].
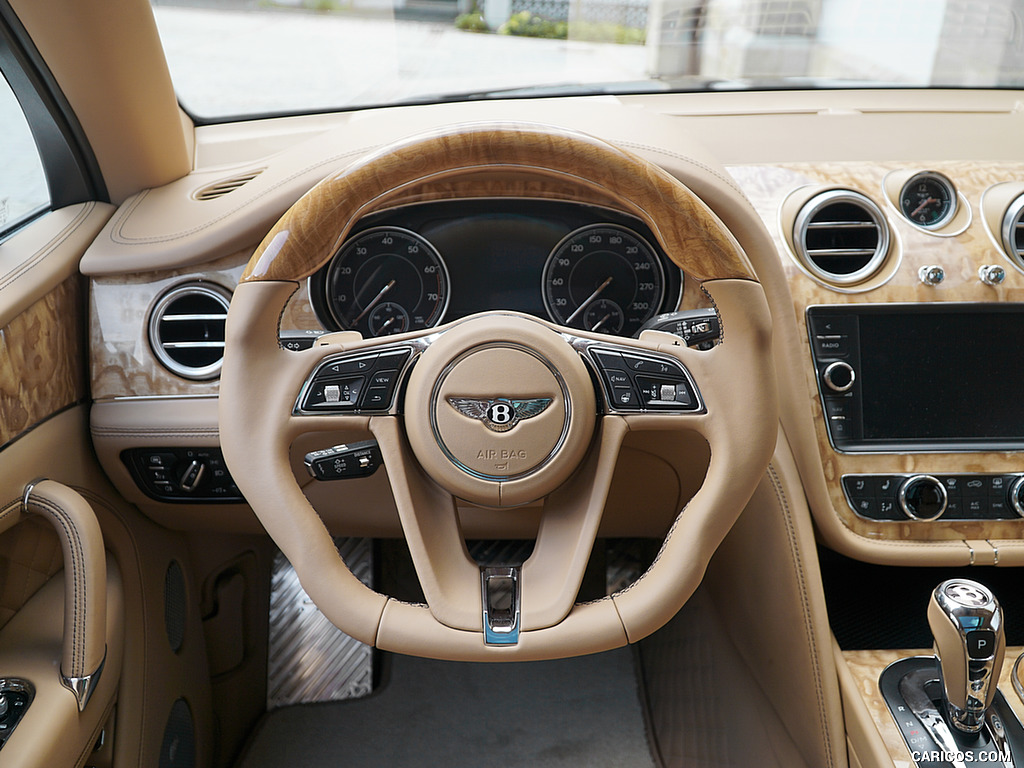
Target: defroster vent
[[225, 186], [841, 237], [186, 329]]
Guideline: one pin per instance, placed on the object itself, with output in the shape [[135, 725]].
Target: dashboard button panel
[[182, 475], [967, 496], [354, 382], [635, 382]]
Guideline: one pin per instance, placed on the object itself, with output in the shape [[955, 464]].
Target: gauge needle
[[380, 295], [923, 205], [589, 299], [389, 322], [601, 322]]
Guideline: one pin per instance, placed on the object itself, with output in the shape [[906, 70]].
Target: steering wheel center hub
[[500, 410]]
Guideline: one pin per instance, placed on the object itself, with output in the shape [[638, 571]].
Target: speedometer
[[387, 280], [603, 278]]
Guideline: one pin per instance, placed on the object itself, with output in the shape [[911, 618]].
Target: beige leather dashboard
[[772, 147]]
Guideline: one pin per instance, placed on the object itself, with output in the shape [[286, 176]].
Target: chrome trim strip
[[84, 687], [501, 625], [28, 492]]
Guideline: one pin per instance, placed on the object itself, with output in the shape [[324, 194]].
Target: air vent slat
[[187, 329], [842, 225], [193, 345], [840, 251], [195, 318], [225, 186], [841, 237]]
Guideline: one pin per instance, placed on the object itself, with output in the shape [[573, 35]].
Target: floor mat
[[572, 712], [309, 658]]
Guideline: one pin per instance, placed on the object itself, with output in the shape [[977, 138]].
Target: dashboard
[[929, 232]]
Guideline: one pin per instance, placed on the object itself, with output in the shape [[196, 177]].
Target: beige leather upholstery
[[44, 254], [111, 47], [85, 606], [29, 555], [53, 732]]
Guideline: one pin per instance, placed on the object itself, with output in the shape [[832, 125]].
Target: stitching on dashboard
[[101, 432], [118, 237], [37, 258], [730, 182], [781, 497]]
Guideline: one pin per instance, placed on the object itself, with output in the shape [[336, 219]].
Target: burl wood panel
[[866, 667], [122, 362], [960, 256], [42, 360], [461, 161]]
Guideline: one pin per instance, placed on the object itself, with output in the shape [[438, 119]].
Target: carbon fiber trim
[[310, 659]]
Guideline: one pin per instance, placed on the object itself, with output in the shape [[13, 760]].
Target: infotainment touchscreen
[[935, 377]]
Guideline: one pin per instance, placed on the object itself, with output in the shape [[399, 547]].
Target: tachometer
[[387, 280], [603, 278]]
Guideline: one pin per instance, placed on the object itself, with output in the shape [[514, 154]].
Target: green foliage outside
[[526, 24], [607, 32], [471, 22]]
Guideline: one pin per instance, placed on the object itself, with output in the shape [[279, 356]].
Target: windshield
[[252, 57]]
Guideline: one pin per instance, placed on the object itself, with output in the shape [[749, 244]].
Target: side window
[[23, 189]]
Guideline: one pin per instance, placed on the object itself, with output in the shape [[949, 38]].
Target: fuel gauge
[[928, 199]]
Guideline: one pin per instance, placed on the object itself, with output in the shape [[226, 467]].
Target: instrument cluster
[[418, 266]]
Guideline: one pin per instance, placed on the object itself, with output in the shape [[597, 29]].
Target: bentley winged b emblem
[[501, 413]]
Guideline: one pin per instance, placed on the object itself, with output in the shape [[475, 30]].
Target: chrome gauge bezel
[[321, 288], [949, 189], [652, 253]]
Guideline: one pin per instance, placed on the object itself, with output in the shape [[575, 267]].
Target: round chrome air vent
[[1013, 231], [841, 237], [186, 329]]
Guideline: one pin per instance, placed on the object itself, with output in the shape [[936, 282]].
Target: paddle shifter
[[967, 625]]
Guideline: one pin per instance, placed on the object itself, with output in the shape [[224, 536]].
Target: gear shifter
[[967, 625]]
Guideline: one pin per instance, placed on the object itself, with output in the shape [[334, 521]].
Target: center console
[[907, 379], [927, 378]]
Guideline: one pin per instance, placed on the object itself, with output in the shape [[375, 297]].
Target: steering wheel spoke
[[450, 579]]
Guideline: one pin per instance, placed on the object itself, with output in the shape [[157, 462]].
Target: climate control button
[[922, 497]]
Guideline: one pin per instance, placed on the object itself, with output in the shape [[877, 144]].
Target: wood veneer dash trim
[[438, 164]]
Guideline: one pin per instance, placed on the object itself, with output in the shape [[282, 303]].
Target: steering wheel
[[499, 409]]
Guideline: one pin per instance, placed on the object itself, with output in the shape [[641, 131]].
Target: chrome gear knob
[[967, 626]]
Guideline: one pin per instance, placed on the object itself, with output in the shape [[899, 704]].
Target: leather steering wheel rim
[[261, 380]]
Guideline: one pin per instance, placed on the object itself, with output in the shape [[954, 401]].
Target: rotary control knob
[[931, 274], [839, 376], [922, 497], [991, 274], [1017, 496]]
